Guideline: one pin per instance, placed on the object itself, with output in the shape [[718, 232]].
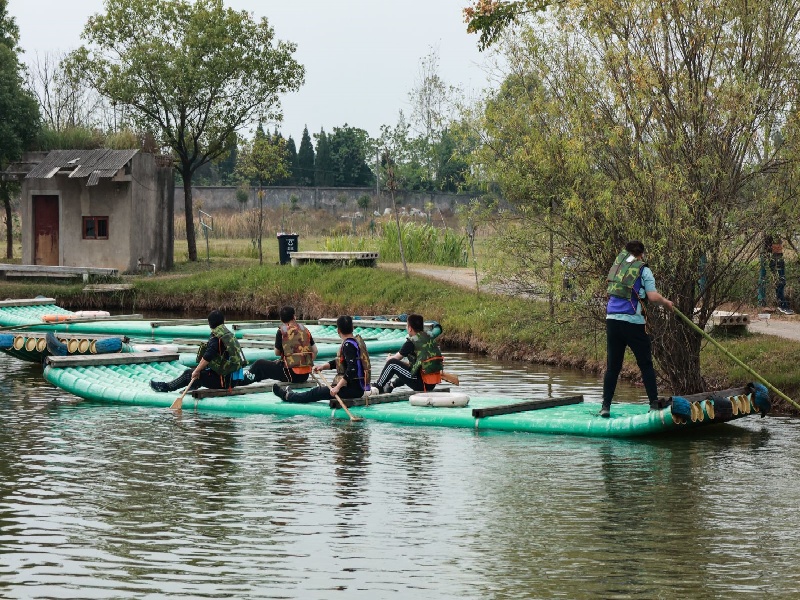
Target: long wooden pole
[[341, 402], [719, 346]]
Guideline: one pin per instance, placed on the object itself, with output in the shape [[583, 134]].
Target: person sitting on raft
[[421, 370], [296, 347], [352, 370], [220, 362]]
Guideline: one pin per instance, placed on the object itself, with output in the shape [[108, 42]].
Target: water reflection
[[102, 501]]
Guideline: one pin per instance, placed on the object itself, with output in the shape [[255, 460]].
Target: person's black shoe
[[605, 410], [159, 386], [655, 405], [279, 391], [388, 388]]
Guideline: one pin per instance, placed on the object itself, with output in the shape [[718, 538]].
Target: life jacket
[[296, 341], [364, 367], [624, 282], [427, 358], [230, 358]]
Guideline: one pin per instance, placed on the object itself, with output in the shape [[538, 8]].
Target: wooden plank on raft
[[727, 393], [268, 324], [528, 405], [399, 396], [27, 302], [247, 389], [119, 358]]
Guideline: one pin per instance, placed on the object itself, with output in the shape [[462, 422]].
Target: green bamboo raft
[[126, 381], [180, 335]]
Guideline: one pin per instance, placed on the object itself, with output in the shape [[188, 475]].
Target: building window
[[95, 228]]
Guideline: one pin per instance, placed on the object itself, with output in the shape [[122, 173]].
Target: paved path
[[787, 327]]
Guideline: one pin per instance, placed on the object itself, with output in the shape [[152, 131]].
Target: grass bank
[[499, 326]]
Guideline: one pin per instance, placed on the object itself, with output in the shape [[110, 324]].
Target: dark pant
[[323, 393], [401, 370], [208, 379], [620, 334], [778, 267], [275, 369]]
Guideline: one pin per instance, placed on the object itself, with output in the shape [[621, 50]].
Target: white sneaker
[[374, 391]]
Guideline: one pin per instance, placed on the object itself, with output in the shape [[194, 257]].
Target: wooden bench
[[53, 271], [362, 259]]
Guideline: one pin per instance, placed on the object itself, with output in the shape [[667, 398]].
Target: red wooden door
[[45, 230]]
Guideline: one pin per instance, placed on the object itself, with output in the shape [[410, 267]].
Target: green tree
[[291, 153], [348, 151], [265, 160], [20, 119], [305, 160], [655, 122], [323, 167], [195, 72]]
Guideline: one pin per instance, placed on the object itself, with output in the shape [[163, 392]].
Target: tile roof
[[93, 164]]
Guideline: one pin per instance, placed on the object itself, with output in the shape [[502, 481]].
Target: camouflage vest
[[364, 367], [427, 354], [230, 357], [623, 275], [296, 341]]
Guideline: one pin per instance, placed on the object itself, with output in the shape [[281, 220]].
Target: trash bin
[[287, 242]]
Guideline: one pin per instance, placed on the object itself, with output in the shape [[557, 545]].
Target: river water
[[119, 502]]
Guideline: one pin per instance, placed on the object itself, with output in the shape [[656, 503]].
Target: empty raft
[[124, 379]]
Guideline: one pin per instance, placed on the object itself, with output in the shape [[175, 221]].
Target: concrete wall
[[76, 200], [152, 210], [211, 199]]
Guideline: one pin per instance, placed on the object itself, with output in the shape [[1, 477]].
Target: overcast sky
[[361, 56]]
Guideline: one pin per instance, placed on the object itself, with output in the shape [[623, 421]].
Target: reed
[[422, 243]]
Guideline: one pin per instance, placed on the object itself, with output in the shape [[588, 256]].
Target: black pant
[[324, 393], [275, 369], [401, 370], [208, 379], [620, 334]]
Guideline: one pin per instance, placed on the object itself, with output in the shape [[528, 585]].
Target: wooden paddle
[[694, 326], [449, 378], [321, 377], [178, 404]]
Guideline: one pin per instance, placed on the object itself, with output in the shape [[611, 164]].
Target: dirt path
[[764, 321]]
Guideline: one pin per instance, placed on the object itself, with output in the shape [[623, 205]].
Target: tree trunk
[[9, 223], [191, 241], [400, 236], [260, 221], [676, 347]]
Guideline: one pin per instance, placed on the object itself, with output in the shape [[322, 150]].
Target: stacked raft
[[176, 335], [126, 381]]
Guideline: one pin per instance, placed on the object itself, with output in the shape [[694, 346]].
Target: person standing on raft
[[630, 285]]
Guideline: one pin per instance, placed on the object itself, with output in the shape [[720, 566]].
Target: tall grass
[[422, 243]]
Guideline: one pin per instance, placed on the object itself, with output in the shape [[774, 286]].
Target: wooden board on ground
[[121, 358], [7, 270], [528, 405], [107, 287], [363, 259]]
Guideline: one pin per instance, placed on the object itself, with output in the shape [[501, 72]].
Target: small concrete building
[[97, 208]]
